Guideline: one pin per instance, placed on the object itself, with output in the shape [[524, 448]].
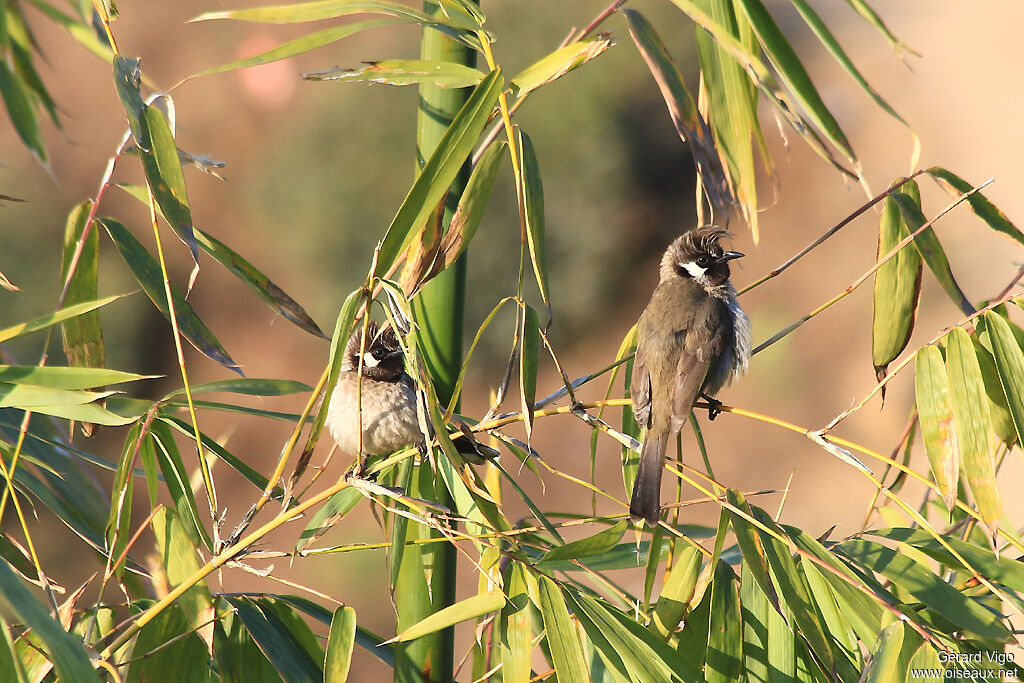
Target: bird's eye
[[703, 260], [379, 353]]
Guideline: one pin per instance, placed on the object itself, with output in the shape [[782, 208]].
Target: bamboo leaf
[[936, 415], [1010, 365], [677, 592], [528, 361], [237, 656], [999, 409], [62, 648], [127, 77], [470, 210], [340, 643], [982, 207], [403, 72], [517, 629], [725, 656], [18, 101], [564, 643], [440, 170], [169, 643], [283, 637], [470, 608], [28, 396], [598, 544], [682, 108], [83, 336], [925, 586], [750, 545], [931, 250], [147, 273], [302, 45], [57, 377], [558, 63], [533, 206], [244, 385], [42, 322], [88, 412], [885, 658], [973, 426], [897, 287], [864, 10], [175, 477]]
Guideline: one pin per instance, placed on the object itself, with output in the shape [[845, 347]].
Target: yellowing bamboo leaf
[[1009, 362], [470, 608], [936, 415], [558, 63], [403, 72]]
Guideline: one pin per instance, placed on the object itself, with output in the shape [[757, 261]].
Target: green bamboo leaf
[[973, 426], [57, 377], [931, 250], [836, 622], [12, 667], [88, 412], [897, 287], [19, 102], [935, 412], [558, 63], [677, 592], [999, 409], [42, 322], [127, 78], [892, 647], [147, 272], [682, 108], [328, 9], [340, 642], [244, 385], [470, 608], [820, 30], [528, 360], [83, 336], [623, 556], [166, 179], [176, 479], [283, 637], [533, 207], [516, 628], [302, 45], [472, 203], [598, 544], [725, 656], [630, 652], [265, 289], [440, 171], [28, 396], [169, 643], [563, 642], [793, 74], [750, 545], [77, 29], [923, 585], [65, 650], [403, 72], [238, 658], [1004, 570], [870, 16], [1009, 363], [982, 207], [732, 101], [755, 609]]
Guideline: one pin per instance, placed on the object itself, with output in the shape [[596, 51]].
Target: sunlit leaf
[[936, 416], [598, 544], [517, 629], [985, 210], [340, 642], [528, 360], [283, 637], [564, 643], [677, 592], [83, 335], [463, 610], [973, 426], [1009, 362], [558, 63], [57, 377], [533, 206], [403, 72], [42, 322], [18, 100], [897, 286]]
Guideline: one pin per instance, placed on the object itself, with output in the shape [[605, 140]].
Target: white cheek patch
[[695, 271], [369, 361]]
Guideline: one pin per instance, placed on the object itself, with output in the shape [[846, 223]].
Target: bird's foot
[[714, 407]]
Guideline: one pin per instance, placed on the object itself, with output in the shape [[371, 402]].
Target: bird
[[692, 339], [390, 419]]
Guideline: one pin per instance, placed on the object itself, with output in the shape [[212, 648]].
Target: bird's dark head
[[697, 255], [382, 355]]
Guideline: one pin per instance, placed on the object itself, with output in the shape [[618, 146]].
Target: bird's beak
[[729, 256]]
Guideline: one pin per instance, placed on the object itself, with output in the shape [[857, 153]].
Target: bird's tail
[[645, 503]]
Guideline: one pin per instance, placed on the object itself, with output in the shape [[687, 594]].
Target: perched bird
[[389, 421], [692, 339]]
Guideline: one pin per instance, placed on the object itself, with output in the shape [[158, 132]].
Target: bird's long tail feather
[[645, 503]]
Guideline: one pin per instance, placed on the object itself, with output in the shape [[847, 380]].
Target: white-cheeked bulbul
[[692, 339]]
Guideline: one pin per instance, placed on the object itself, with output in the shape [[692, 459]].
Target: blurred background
[[315, 172]]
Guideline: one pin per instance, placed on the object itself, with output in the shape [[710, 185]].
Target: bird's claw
[[714, 407]]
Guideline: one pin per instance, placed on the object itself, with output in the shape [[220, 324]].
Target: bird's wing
[[701, 345], [640, 389]]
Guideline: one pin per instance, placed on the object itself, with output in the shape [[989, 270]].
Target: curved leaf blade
[[42, 322], [470, 608], [1009, 362], [340, 643], [403, 72], [563, 641], [936, 415]]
